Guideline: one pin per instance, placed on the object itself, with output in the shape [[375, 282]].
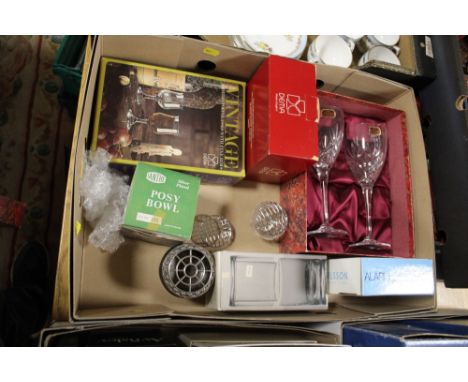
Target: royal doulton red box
[[392, 212], [281, 120]]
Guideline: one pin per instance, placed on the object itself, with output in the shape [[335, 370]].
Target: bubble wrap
[[104, 195]]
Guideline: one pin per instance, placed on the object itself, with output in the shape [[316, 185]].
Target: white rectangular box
[[252, 281], [381, 277]]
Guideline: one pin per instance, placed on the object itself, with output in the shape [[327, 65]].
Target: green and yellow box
[[161, 205], [180, 120]]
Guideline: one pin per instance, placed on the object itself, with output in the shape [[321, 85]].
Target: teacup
[[370, 41], [330, 50], [379, 53], [351, 40]]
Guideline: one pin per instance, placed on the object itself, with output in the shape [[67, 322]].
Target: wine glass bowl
[[330, 138], [366, 151]]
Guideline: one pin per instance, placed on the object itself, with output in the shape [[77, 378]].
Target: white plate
[[282, 45]]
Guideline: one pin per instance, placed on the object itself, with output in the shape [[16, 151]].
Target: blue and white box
[[361, 276]]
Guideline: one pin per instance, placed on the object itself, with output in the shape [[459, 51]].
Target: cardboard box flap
[[77, 162], [349, 83], [335, 313], [120, 312], [382, 306], [204, 332], [184, 53]]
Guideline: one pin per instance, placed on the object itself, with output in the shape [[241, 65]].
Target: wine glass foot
[[372, 245], [329, 232]]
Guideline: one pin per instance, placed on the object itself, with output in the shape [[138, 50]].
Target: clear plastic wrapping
[[104, 195]]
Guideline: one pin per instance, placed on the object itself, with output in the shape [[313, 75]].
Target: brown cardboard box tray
[[126, 285]]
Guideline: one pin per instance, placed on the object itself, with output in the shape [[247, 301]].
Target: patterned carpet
[[35, 138]]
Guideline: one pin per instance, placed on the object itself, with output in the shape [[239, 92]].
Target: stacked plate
[[282, 45]]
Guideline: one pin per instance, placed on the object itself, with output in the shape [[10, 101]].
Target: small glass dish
[[269, 221]]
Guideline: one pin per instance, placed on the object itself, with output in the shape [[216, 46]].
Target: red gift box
[[282, 120], [392, 211]]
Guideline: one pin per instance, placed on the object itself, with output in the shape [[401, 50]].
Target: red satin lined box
[[392, 212], [281, 120]]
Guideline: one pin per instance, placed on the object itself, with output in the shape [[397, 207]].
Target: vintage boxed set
[[178, 119], [358, 113]]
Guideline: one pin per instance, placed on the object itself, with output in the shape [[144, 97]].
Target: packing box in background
[[417, 67], [126, 285], [173, 332], [399, 334], [381, 276], [282, 120], [178, 119], [416, 55], [393, 199], [161, 205]]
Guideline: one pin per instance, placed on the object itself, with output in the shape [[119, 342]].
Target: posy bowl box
[[161, 205], [181, 120]]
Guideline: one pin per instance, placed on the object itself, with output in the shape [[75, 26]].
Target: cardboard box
[[125, 285], [381, 276], [449, 325], [396, 334], [178, 119], [164, 333], [417, 67], [393, 221], [282, 120], [161, 205]]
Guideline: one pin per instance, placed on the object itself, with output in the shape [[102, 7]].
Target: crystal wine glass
[[366, 151], [161, 124], [166, 99], [330, 132]]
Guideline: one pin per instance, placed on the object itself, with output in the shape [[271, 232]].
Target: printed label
[[251, 121], [375, 131], [272, 171], [146, 218], [249, 270], [429, 51], [290, 104], [156, 177], [210, 160], [211, 52], [341, 276]]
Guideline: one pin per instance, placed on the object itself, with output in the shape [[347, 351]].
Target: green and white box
[[161, 205]]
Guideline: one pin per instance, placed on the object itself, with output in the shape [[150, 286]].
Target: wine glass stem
[[323, 177], [367, 192]]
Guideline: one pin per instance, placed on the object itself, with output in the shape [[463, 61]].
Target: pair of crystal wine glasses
[[366, 150]]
